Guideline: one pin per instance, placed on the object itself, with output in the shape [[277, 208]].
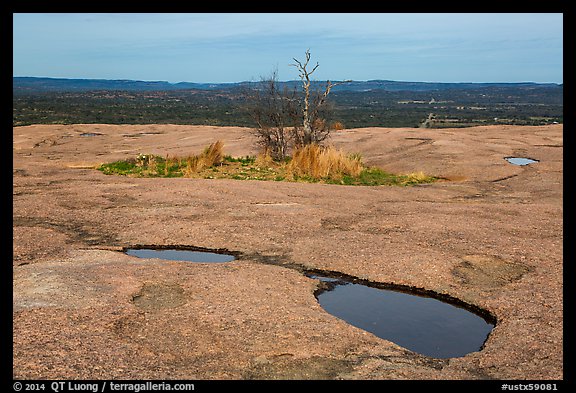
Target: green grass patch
[[211, 164]]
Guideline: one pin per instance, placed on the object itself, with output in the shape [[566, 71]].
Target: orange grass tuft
[[322, 162], [212, 155]]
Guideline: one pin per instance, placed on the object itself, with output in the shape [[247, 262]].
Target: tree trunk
[[309, 134]]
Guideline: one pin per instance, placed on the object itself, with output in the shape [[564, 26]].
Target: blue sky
[[436, 47]]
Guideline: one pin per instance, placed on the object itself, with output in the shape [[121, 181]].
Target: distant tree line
[[349, 109]]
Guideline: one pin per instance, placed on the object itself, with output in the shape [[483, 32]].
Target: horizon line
[[289, 80]]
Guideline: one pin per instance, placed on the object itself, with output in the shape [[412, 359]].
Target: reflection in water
[[180, 255], [422, 324], [520, 160]]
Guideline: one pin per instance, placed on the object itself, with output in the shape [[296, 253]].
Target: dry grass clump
[[264, 159], [417, 177], [212, 155], [320, 162], [337, 126]]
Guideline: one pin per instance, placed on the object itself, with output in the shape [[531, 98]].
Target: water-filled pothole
[[414, 319], [420, 323], [520, 160], [190, 254], [90, 134]]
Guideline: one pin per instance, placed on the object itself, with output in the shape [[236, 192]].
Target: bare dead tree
[[275, 112], [313, 130], [284, 118]]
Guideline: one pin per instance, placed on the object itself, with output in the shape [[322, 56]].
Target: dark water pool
[[520, 160], [180, 255], [422, 324]]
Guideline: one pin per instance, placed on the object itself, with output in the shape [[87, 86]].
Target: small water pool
[[520, 160], [422, 324], [184, 255]]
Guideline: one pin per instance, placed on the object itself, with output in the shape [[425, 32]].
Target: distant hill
[[35, 84], [31, 84], [433, 86]]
